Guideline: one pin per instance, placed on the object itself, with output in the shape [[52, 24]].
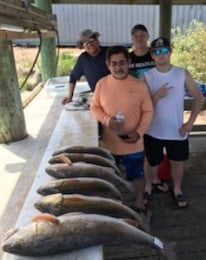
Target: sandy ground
[[25, 54]]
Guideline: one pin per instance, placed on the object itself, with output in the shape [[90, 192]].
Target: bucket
[[163, 171], [57, 87]]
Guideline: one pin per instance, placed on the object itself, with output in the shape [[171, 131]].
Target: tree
[[189, 49]]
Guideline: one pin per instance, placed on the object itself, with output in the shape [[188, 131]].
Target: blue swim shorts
[[133, 164]]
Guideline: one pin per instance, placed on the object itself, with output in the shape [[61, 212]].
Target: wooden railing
[[187, 107]]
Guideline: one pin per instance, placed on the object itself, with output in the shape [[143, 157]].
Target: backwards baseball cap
[[140, 27], [85, 35], [160, 42]]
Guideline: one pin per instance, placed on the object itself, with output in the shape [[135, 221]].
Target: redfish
[[59, 204], [81, 169], [86, 186], [88, 158], [49, 235], [85, 149]]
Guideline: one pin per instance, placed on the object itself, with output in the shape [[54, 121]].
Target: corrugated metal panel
[[183, 15], [114, 22]]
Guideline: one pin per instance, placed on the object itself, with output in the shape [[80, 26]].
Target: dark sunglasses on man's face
[[157, 52]]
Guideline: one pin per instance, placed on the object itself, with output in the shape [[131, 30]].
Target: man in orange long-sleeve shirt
[[121, 92]]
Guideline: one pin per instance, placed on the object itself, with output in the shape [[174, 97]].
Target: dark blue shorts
[[133, 163], [176, 150]]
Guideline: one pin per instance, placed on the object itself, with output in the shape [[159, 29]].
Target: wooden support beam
[[17, 16], [6, 35], [48, 47], [165, 18]]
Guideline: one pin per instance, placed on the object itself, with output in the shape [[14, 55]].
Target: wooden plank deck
[[184, 226]]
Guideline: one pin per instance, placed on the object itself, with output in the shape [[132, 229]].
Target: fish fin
[[46, 217], [132, 222], [77, 197], [65, 159], [10, 232]]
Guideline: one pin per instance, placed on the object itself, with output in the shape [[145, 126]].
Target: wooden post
[[165, 18], [48, 48], [12, 123]]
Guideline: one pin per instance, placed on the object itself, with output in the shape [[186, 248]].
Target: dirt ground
[[25, 54]]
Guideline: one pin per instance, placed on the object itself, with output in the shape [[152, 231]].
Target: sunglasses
[[158, 52]]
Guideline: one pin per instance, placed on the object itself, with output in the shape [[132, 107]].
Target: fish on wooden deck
[[83, 157], [86, 149], [48, 235], [82, 169], [85, 186], [59, 204]]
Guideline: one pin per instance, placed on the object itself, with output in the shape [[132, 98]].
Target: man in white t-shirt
[[167, 84]]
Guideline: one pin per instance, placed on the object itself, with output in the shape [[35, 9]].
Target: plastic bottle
[[119, 117]]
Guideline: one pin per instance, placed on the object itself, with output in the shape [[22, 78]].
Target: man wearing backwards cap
[[141, 59], [167, 84], [91, 63]]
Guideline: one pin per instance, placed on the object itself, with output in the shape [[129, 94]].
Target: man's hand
[[66, 100], [115, 125], [132, 138], [185, 129], [161, 92]]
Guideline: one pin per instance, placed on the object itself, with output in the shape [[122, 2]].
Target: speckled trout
[[81, 169], [59, 204], [49, 235], [83, 157], [85, 149], [86, 186]]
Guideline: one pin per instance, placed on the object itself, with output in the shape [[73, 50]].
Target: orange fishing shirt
[[132, 98]]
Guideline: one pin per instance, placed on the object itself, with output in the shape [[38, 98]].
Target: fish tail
[[132, 222], [65, 159], [129, 186], [169, 250], [146, 221]]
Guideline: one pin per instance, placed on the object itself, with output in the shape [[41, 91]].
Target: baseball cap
[[160, 42], [85, 35], [140, 27]]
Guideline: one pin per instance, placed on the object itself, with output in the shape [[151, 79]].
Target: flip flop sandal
[[179, 198], [160, 187], [147, 197]]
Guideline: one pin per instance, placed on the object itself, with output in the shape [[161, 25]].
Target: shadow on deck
[[184, 226]]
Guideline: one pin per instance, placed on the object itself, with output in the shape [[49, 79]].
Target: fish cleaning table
[[73, 128]]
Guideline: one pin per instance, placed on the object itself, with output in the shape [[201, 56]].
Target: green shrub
[[189, 49], [65, 64]]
